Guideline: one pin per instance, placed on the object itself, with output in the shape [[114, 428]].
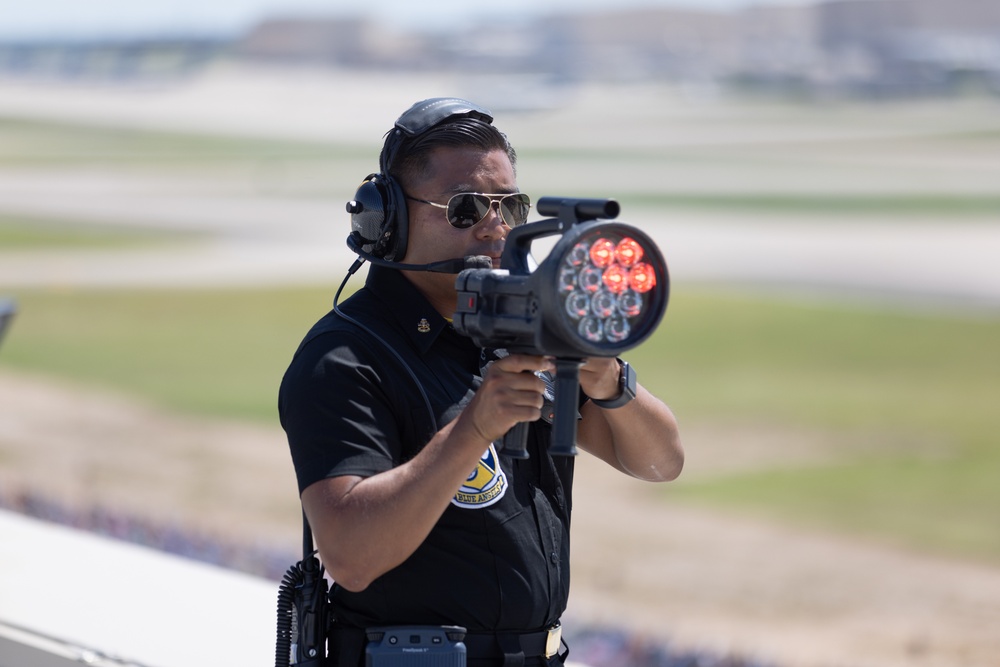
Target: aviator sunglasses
[[469, 208]]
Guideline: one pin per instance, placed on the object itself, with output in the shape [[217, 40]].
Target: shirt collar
[[406, 306]]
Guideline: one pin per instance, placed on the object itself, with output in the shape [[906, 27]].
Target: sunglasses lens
[[467, 209], [514, 209]]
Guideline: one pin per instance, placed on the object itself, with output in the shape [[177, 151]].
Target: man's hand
[[599, 377], [510, 393]]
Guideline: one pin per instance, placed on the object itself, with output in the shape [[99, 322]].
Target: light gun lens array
[[603, 284]]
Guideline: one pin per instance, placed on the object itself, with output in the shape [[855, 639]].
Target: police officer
[[391, 415]]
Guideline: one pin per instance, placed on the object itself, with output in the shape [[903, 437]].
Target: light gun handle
[[567, 390], [515, 441]]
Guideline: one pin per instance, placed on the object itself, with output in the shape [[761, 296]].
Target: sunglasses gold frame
[[496, 198]]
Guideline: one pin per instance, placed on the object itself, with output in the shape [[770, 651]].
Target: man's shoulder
[[361, 325], [346, 325]]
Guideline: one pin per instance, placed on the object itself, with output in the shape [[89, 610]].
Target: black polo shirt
[[362, 397]]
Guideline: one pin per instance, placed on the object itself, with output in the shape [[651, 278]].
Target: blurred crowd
[[596, 647], [613, 647]]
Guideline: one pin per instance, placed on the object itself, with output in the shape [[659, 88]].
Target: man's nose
[[494, 222]]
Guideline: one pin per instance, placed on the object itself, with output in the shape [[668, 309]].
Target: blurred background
[[823, 178]]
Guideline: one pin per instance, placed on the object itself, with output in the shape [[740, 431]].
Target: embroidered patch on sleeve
[[485, 486]]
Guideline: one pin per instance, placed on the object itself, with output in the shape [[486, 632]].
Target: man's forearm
[[640, 438]]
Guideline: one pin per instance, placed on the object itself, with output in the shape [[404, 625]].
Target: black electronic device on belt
[[415, 646]]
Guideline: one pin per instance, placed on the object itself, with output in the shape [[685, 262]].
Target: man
[[392, 416]]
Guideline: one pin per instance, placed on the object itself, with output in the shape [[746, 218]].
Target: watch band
[[626, 388]]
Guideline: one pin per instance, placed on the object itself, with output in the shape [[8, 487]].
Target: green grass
[[829, 365], [26, 233], [912, 397], [216, 164], [206, 352], [46, 144], [941, 504]]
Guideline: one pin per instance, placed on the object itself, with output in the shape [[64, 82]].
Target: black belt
[[347, 644], [544, 643]]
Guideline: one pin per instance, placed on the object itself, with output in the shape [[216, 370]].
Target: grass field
[[20, 232], [40, 144], [908, 399]]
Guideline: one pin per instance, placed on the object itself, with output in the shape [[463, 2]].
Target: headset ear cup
[[378, 218], [400, 222]]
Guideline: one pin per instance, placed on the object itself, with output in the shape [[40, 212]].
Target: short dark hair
[[413, 155]]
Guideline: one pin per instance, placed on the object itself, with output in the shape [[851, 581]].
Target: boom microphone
[[456, 265]]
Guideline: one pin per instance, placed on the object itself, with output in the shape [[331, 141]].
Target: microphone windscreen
[[478, 262]]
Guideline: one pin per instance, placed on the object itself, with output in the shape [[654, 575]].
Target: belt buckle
[[553, 642]]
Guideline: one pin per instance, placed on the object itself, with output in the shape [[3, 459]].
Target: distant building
[[912, 46], [108, 59], [684, 45], [358, 43], [870, 47], [854, 47]]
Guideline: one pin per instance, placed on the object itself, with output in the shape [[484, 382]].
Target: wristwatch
[[626, 388]]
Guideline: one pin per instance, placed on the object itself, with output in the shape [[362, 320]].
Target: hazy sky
[[68, 18]]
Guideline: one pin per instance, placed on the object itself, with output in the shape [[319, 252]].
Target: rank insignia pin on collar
[[423, 326]]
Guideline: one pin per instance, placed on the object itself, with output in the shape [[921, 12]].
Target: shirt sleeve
[[336, 413]]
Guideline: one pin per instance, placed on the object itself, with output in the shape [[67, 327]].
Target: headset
[[379, 221]]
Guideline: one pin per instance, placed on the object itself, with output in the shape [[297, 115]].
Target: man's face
[[431, 237]]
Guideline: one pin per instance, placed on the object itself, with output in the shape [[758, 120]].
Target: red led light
[[628, 252], [642, 277], [616, 279], [602, 253]]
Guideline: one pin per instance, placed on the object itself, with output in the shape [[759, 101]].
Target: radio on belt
[[415, 646]]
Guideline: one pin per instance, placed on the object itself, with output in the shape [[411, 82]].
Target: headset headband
[[424, 115]]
